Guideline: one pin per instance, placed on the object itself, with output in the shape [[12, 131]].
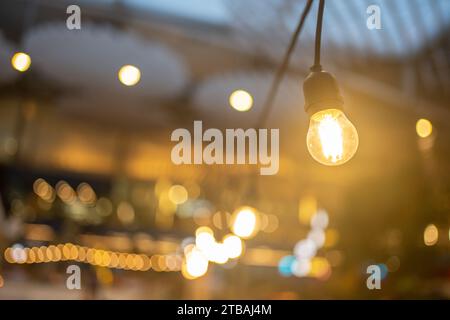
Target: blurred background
[[86, 176]]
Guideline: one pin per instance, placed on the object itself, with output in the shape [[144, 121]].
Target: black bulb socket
[[321, 92]]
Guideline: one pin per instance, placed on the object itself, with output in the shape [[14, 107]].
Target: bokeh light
[[21, 61], [125, 213], [196, 263], [233, 246], [244, 222], [285, 265], [241, 100], [424, 128], [178, 194], [430, 235], [129, 75]]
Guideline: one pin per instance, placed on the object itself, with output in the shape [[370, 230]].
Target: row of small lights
[[65, 192], [17, 254], [304, 261], [130, 75], [240, 100]]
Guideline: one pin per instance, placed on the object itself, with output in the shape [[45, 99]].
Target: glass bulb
[[332, 139]]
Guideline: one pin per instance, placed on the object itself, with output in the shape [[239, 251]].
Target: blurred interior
[[86, 175]]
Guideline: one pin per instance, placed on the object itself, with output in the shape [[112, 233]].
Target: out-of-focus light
[[86, 194], [307, 207], [44, 190], [244, 222], [21, 61], [204, 239], [129, 75], [285, 265], [166, 206], [8, 255], [317, 236], [18, 253], [305, 249], [171, 262], [97, 257], [103, 207], [319, 220], [125, 212], [424, 128], [65, 192], [178, 194], [241, 100], [196, 263], [320, 268], [2, 282], [331, 238], [301, 267], [430, 235], [233, 246], [217, 254]]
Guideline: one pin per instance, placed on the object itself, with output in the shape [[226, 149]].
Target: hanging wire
[[317, 66], [282, 68]]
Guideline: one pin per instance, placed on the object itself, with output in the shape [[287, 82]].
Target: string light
[[241, 100], [430, 235], [424, 128], [17, 254], [178, 194], [129, 75], [21, 61], [245, 222]]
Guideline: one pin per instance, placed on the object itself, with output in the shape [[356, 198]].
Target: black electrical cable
[[282, 68], [317, 66]]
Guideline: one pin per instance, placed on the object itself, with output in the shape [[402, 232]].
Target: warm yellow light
[[125, 212], [320, 268], [129, 75], [178, 194], [196, 263], [430, 235], [217, 254], [424, 128], [232, 245], [307, 207], [204, 239], [244, 222], [44, 190], [21, 61], [332, 139], [86, 194], [241, 100], [65, 192]]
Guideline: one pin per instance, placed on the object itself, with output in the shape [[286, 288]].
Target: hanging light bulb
[[332, 139]]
